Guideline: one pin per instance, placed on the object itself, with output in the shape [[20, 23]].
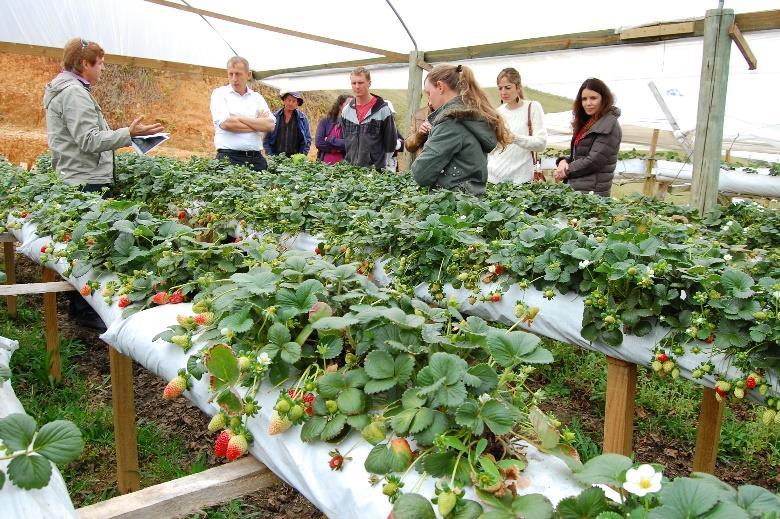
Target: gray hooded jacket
[[80, 140]]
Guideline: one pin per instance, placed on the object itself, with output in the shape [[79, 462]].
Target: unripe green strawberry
[[203, 305], [186, 321], [277, 424], [374, 433], [763, 389], [723, 385], [697, 373], [217, 422], [657, 366], [739, 392], [332, 406], [244, 363], [319, 310], [296, 412], [390, 488], [182, 341], [675, 374], [519, 310], [668, 366], [235, 422], [400, 448], [446, 503], [175, 388], [237, 447], [283, 406], [768, 417]]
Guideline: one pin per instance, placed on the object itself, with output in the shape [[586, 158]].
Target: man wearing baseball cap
[[292, 134]]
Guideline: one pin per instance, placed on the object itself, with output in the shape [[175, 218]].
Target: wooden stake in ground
[[51, 327], [128, 478], [619, 410], [9, 252], [708, 432]]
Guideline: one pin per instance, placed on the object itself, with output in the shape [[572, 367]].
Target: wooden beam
[[708, 432], [115, 59], [128, 477], [748, 22], [7, 237], [51, 328], [619, 410], [659, 30], [35, 288], [186, 495], [743, 46], [280, 30], [712, 109], [9, 256], [262, 74]]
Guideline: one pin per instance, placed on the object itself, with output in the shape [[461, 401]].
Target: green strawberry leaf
[[510, 349], [379, 365], [239, 322], [29, 472], [607, 469], [222, 364], [258, 281], [351, 401], [684, 497], [412, 506], [60, 441], [737, 283], [17, 430], [379, 460], [312, 428], [333, 427]]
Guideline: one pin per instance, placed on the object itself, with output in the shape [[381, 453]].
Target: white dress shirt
[[226, 102], [513, 163]]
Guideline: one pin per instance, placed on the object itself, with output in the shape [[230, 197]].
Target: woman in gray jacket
[[595, 140]]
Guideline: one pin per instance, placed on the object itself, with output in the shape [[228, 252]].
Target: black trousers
[[252, 159]]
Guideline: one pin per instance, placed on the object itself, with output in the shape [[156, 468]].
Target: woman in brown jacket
[[595, 141]]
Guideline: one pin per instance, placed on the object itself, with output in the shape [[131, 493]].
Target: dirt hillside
[[179, 100]]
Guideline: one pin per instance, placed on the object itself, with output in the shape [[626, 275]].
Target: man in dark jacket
[[369, 128], [291, 134]]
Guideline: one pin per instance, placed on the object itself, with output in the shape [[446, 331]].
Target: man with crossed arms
[[240, 115]]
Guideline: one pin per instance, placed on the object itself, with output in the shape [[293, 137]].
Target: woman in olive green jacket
[[462, 130]]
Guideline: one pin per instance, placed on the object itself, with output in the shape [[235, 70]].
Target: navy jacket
[[269, 143]]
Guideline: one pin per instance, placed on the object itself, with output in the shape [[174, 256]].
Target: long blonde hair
[[461, 79], [513, 76]]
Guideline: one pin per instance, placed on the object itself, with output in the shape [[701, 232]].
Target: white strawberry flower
[[643, 480], [776, 294], [492, 269], [650, 273], [584, 264], [727, 257], [683, 295], [263, 359], [484, 397]]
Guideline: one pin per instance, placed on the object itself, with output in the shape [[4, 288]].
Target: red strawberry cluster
[[162, 298], [306, 398], [230, 446], [124, 302]]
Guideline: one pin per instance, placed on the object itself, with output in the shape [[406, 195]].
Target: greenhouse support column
[[128, 478], [619, 409], [712, 106], [649, 187], [414, 90], [708, 432]]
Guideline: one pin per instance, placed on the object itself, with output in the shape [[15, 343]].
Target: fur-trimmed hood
[[455, 109]]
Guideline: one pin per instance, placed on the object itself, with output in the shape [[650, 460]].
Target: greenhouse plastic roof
[[142, 29]]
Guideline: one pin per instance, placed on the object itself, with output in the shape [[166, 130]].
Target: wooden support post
[[128, 477], [708, 432], [186, 495], [9, 254], [711, 110], [649, 186], [619, 412], [743, 46], [50, 325], [414, 90]]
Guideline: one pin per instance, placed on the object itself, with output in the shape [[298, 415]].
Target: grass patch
[[84, 399]]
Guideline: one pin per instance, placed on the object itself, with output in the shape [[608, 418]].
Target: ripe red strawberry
[[124, 301], [750, 382], [221, 444], [43, 249], [85, 291], [499, 269], [662, 357], [308, 398], [336, 462], [721, 392], [66, 237], [237, 240], [90, 242], [24, 214], [160, 298], [496, 297], [709, 339], [176, 298], [317, 250], [175, 388], [401, 447], [204, 319], [308, 410], [182, 215], [236, 447]]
